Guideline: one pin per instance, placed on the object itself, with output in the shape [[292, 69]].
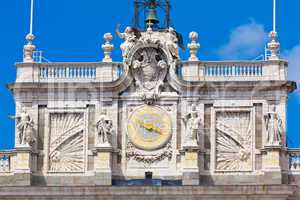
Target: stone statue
[[130, 36], [104, 129], [274, 128], [192, 123], [172, 43], [24, 127]]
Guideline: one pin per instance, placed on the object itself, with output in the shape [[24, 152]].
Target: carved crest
[[149, 68], [148, 56]]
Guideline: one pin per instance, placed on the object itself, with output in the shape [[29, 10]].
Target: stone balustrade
[[68, 72], [294, 159], [187, 70], [5, 161], [86, 72], [233, 70]]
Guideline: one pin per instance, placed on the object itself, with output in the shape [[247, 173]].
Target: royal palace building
[[151, 126]]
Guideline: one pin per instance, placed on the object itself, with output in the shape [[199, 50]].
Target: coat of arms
[[149, 68]]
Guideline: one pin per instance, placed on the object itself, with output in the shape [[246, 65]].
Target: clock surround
[[149, 127]]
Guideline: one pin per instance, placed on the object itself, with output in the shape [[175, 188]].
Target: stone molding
[[280, 192]]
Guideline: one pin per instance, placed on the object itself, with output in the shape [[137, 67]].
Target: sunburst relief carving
[[66, 153], [233, 141]]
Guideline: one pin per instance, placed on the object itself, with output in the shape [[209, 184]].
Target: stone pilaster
[[102, 166], [23, 166], [190, 171], [272, 164]]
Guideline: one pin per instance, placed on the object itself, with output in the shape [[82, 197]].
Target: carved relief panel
[[66, 142], [233, 136]]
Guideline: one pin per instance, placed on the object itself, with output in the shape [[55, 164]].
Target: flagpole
[[31, 17], [29, 48], [274, 45], [274, 15]]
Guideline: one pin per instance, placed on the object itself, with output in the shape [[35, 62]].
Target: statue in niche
[[24, 127], [104, 129], [192, 123], [130, 36], [274, 128]]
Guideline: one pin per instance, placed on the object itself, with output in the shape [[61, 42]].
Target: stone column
[[23, 166], [102, 166], [190, 171]]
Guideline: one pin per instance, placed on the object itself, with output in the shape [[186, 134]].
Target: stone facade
[[203, 125]]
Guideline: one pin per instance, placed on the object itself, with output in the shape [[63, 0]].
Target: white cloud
[[293, 56], [246, 42]]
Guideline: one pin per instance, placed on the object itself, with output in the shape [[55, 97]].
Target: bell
[[152, 17]]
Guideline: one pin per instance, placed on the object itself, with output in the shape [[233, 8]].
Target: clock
[[149, 127]]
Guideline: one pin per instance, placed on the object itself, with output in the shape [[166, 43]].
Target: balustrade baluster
[[89, 74], [45, 72], [85, 72], [57, 72], [82, 72], [260, 71], [94, 72], [52, 72], [250, 70], [4, 164], [77, 72], [60, 72], [213, 69], [42, 72]]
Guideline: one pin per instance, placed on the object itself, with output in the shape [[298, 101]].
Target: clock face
[[149, 127]]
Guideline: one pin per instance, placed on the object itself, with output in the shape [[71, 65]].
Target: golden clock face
[[149, 127]]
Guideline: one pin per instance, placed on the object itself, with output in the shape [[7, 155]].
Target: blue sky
[[72, 30]]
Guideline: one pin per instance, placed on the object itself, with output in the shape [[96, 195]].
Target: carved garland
[[132, 153]]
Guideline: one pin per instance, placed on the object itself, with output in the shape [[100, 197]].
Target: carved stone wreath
[[132, 153]]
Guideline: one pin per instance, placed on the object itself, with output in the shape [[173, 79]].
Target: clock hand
[[153, 128], [150, 127]]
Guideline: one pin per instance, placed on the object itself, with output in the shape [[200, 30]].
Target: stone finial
[[107, 47], [29, 48], [274, 46], [193, 46], [149, 30]]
